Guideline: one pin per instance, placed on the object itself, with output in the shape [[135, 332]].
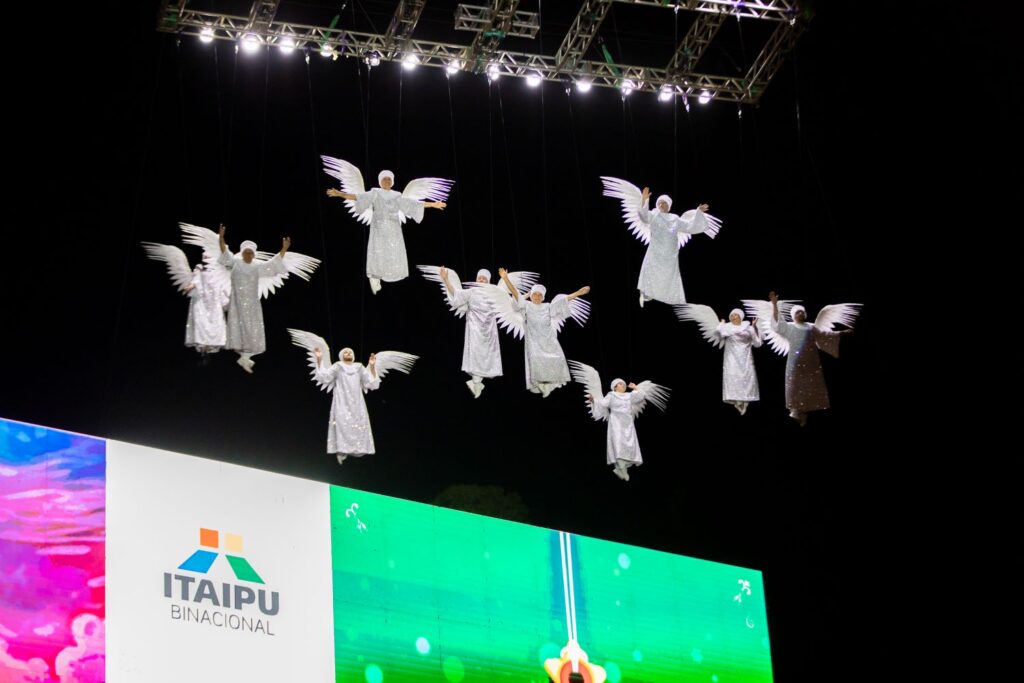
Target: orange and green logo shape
[[201, 560]]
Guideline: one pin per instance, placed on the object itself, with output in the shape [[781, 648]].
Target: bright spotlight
[[250, 43]]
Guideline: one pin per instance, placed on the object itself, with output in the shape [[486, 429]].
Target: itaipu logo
[[204, 598]]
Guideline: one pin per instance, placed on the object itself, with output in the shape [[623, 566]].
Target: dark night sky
[[134, 133]]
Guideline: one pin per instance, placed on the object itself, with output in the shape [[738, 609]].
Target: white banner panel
[[215, 572]]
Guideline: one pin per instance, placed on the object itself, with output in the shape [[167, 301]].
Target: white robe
[[385, 253], [481, 352], [206, 329], [545, 361], [739, 379], [348, 432], [622, 442], [659, 275], [245, 313], [805, 382]]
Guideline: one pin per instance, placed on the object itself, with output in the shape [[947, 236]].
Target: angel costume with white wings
[[250, 282], [540, 323], [619, 409], [800, 342], [348, 432], [481, 351], [385, 211], [739, 378], [208, 287], [664, 234]]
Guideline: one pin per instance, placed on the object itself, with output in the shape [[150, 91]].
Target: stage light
[[250, 43]]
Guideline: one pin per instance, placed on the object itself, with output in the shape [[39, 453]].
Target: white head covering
[[737, 311], [248, 244], [539, 288], [486, 273], [792, 312], [664, 198], [341, 354], [385, 174], [617, 381]]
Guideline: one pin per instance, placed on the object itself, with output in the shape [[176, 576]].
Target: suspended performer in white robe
[[664, 234], [481, 352], [540, 324], [800, 341], [208, 287], [620, 409], [348, 431], [385, 210], [739, 337], [254, 275]]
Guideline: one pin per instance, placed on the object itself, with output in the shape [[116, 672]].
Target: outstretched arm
[[644, 212], [443, 272], [332, 192], [435, 205], [508, 283], [323, 376], [220, 235], [579, 292]]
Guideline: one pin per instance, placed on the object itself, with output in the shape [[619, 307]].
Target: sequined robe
[[659, 275], [545, 361], [245, 313], [618, 409], [805, 383], [739, 379], [348, 432], [385, 253], [481, 353], [206, 329]]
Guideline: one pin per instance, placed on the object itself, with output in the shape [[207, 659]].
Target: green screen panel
[[429, 594]]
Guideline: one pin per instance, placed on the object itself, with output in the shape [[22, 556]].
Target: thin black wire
[[132, 229], [508, 175], [458, 182], [583, 223], [184, 133], [263, 141], [320, 208], [231, 128]]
